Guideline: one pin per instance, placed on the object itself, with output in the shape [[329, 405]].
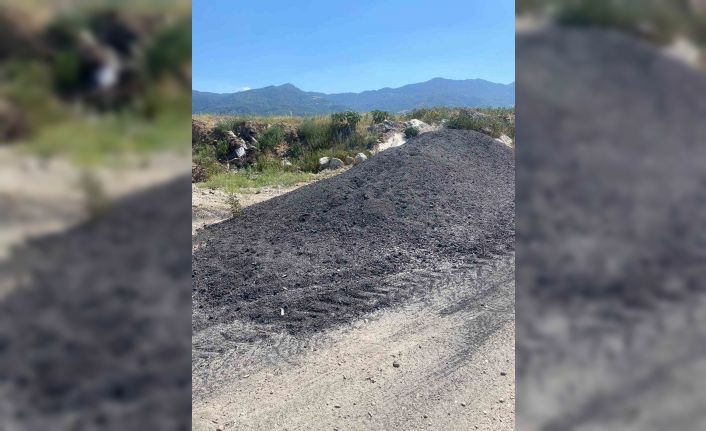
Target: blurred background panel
[[95, 214], [611, 302]]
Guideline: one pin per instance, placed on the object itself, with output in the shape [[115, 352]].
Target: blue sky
[[338, 46]]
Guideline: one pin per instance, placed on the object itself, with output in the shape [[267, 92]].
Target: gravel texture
[[320, 255], [610, 269], [381, 298], [97, 334]]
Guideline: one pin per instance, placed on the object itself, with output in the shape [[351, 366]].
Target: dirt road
[[455, 351]]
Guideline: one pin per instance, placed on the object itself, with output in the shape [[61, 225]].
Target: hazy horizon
[[371, 89], [340, 48]]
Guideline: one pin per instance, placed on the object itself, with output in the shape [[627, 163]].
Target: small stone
[[463, 404], [334, 163], [395, 364], [503, 373], [506, 140]]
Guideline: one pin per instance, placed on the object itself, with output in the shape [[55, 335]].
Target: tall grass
[[316, 134], [205, 156], [226, 124], [271, 139], [480, 123], [437, 114], [246, 180], [339, 135]]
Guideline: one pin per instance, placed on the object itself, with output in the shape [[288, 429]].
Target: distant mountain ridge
[[287, 99]]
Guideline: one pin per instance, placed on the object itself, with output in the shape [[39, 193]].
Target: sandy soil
[[456, 369], [42, 196], [209, 205]]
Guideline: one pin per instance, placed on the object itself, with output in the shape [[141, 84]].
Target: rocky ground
[[390, 253]]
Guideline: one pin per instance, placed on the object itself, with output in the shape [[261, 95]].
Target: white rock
[[417, 124], [335, 163], [360, 158], [420, 125], [323, 162], [504, 139]]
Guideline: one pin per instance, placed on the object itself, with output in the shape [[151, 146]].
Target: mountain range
[[287, 99]]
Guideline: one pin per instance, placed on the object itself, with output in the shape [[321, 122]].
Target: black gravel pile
[[326, 252], [98, 337], [611, 188], [611, 193]]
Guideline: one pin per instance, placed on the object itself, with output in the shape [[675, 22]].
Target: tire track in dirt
[[449, 354], [413, 246]]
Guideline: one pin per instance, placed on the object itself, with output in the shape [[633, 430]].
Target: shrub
[[234, 206], [222, 149], [225, 125], [94, 195], [272, 137], [270, 163], [309, 161], [169, 50], [359, 142], [344, 124], [379, 116], [411, 132], [430, 115], [67, 70], [205, 157], [315, 135], [295, 150], [473, 121]]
